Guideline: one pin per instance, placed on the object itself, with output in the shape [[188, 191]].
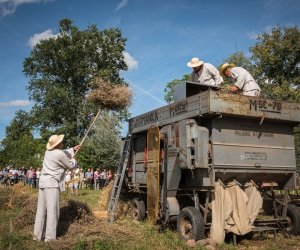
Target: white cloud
[[269, 29], [130, 61], [36, 38], [252, 35], [15, 103], [121, 5], [9, 6]]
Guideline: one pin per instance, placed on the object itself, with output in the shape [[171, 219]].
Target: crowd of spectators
[[73, 180], [96, 179], [27, 176]]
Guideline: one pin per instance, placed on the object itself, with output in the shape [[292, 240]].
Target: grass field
[[82, 226]]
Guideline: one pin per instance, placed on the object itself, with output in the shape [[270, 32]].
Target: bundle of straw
[[111, 97]]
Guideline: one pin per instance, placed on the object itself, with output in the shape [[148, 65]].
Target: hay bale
[[26, 216], [76, 212], [108, 96], [105, 197], [225, 89], [123, 210], [123, 207]]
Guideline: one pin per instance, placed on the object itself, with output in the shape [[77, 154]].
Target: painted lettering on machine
[[145, 119], [254, 156], [265, 106], [178, 108], [252, 133], [153, 117]]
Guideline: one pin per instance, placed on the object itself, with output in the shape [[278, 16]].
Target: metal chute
[[153, 173]]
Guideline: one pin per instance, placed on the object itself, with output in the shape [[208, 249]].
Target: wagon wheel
[[293, 218], [138, 209], [190, 224]]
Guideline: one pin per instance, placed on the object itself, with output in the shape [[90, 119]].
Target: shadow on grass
[[73, 212]]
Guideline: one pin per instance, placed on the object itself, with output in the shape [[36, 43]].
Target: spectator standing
[[34, 178], [10, 176], [20, 175], [38, 173], [14, 177], [30, 175], [76, 181], [24, 175], [81, 178], [109, 176], [67, 180], [103, 178], [92, 177], [88, 178], [96, 179], [6, 179]]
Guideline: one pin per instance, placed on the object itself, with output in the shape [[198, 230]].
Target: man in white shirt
[[243, 80], [56, 162], [204, 73]]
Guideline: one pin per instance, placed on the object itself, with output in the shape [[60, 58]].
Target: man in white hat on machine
[[56, 162], [204, 73], [244, 82]]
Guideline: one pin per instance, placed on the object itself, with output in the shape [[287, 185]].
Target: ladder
[[119, 177]]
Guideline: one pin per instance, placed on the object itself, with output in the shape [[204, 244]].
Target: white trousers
[[254, 92], [47, 214]]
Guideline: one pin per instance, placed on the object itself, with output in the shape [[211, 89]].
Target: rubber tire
[[138, 209], [195, 219], [293, 212]]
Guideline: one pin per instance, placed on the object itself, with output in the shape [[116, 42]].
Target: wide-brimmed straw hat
[[225, 66], [54, 140], [195, 62]]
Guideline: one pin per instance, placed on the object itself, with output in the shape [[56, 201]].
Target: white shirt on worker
[[244, 80], [55, 163], [208, 74]]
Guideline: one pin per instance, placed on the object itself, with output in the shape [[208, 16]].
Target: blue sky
[[162, 35]]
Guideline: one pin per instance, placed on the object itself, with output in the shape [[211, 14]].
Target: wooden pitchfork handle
[[90, 127]]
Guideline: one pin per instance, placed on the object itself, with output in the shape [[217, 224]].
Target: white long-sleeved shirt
[[55, 163], [207, 75], [244, 81]]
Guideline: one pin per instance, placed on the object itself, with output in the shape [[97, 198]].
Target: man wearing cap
[[56, 162], [243, 80], [204, 73]]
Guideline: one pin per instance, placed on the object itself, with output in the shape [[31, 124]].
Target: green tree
[[19, 145], [169, 89], [277, 59], [102, 147], [60, 71]]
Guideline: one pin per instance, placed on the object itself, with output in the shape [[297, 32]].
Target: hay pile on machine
[[207, 161]]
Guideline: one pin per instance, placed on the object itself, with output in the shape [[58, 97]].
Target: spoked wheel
[[138, 209], [190, 224]]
